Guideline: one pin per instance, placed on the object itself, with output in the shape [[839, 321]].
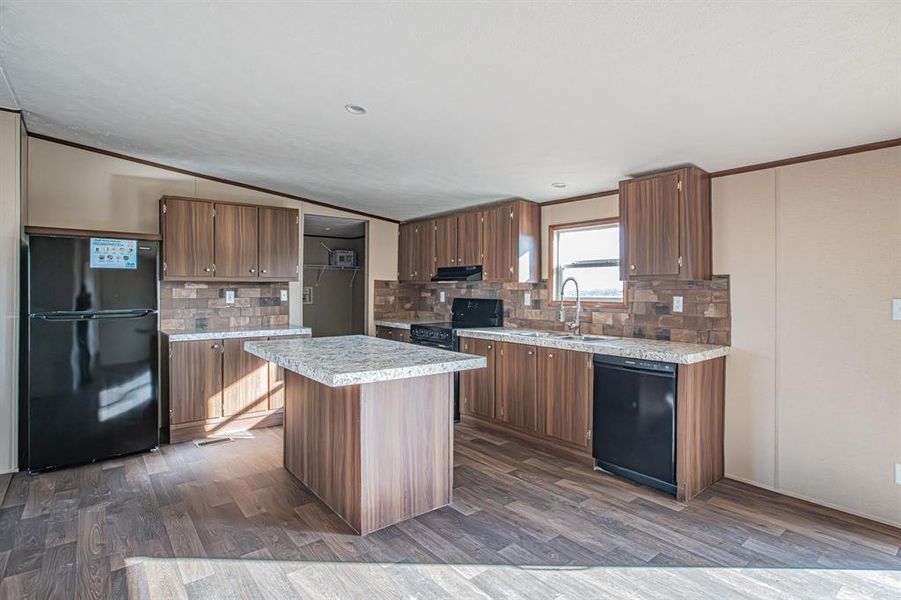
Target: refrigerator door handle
[[62, 316], [124, 314]]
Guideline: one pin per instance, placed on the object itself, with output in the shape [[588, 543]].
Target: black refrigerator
[[90, 350]]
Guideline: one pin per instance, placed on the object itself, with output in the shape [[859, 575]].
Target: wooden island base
[[375, 453]]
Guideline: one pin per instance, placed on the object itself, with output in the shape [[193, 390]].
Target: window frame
[[553, 230]]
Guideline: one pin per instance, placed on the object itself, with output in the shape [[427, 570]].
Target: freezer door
[[61, 276], [92, 389]]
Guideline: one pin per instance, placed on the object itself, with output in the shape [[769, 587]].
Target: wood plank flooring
[[227, 521]]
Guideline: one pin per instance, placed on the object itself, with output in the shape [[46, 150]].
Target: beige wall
[[573, 212], [10, 226], [79, 189], [813, 387]]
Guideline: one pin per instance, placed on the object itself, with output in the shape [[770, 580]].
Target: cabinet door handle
[[214, 347], [253, 270], [550, 355], [207, 270], [632, 267], [489, 347], [530, 353], [263, 271]]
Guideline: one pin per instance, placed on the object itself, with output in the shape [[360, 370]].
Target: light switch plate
[[896, 309], [283, 295], [527, 298], [897, 473], [442, 296], [229, 296], [677, 304]]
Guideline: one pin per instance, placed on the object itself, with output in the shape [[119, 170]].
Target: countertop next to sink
[[190, 335], [357, 359], [660, 350]]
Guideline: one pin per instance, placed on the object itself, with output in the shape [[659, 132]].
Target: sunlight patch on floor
[[149, 577]]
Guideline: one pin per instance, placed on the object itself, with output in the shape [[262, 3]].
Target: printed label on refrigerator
[[108, 253]]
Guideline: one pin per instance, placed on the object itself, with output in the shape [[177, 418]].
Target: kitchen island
[[369, 423]]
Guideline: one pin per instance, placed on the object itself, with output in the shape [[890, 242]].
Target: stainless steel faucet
[[576, 326]]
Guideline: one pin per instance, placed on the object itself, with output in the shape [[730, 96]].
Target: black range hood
[[470, 273]]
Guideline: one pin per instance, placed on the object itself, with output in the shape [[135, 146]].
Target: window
[[589, 252]]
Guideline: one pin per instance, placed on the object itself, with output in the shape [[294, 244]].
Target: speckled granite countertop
[[673, 352], [189, 335], [354, 359], [405, 323]]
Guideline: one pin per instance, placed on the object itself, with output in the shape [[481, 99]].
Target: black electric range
[[468, 313]]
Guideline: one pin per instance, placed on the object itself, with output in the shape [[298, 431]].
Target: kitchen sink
[[588, 338], [542, 334]]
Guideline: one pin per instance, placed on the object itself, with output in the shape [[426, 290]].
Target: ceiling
[[467, 102], [336, 227]]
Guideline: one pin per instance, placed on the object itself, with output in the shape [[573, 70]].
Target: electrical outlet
[[283, 295], [527, 298], [442, 296], [896, 309], [229, 296], [677, 304], [897, 473]]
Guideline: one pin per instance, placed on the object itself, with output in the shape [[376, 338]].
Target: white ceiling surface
[[468, 102], [333, 226]]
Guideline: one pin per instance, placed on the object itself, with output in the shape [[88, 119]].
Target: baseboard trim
[[816, 501], [184, 432]]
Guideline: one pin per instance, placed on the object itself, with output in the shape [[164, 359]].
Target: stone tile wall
[[186, 306], [705, 317]]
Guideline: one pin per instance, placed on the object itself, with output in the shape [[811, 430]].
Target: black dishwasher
[[635, 420]]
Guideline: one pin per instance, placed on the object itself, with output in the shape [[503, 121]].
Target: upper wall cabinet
[[502, 238], [279, 243], [228, 242], [187, 228], [665, 229]]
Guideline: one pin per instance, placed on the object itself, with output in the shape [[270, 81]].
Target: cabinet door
[[498, 240], [279, 242], [406, 241], [187, 238], [477, 385], [565, 390], [392, 333], [651, 229], [245, 379], [237, 230], [425, 250], [516, 393], [446, 242], [195, 381], [469, 238]]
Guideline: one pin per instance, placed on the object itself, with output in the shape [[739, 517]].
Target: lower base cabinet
[[545, 393], [214, 387], [392, 333]]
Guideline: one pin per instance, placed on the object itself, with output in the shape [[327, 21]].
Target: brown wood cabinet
[[477, 385], [397, 334], [195, 381], [236, 241], [279, 243], [516, 399], [469, 238], [187, 228], [665, 226], [565, 385], [214, 387], [446, 241], [225, 241], [502, 238], [245, 379]]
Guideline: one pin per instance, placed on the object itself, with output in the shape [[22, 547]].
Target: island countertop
[[357, 359], [217, 333]]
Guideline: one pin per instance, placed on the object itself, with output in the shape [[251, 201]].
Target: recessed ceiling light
[[355, 109], [559, 184], [328, 228]]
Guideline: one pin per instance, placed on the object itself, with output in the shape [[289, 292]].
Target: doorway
[[334, 275]]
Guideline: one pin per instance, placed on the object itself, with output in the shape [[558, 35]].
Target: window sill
[[623, 305]]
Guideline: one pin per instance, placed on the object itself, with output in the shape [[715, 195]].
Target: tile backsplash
[[705, 316], [185, 306]]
